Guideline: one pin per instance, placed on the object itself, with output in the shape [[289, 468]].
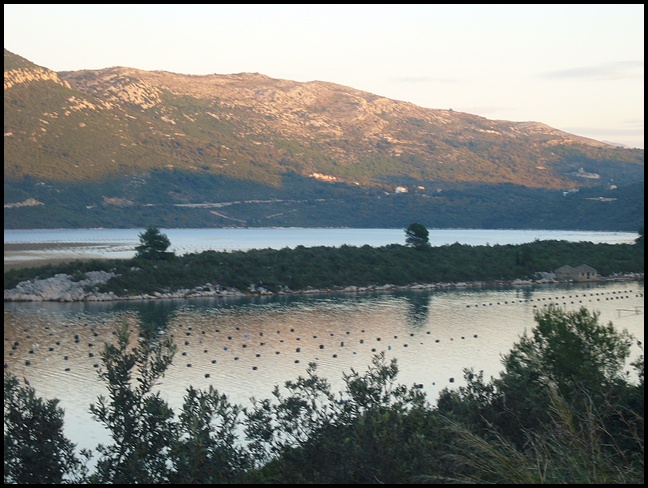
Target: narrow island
[[156, 273]]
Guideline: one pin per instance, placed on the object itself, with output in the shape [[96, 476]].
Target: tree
[[153, 245], [35, 447], [416, 235], [140, 422], [571, 349]]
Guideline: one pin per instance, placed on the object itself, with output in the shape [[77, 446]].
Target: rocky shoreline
[[65, 288]]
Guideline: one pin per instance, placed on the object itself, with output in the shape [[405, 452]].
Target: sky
[[577, 68]]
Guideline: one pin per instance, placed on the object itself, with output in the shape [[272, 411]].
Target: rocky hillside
[[123, 127]]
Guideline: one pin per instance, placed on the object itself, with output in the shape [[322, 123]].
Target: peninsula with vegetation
[[155, 272]]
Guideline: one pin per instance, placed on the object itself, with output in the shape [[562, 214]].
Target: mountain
[[126, 147]]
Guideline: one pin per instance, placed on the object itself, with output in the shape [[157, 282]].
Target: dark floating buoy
[[321, 346], [475, 336], [188, 365], [334, 355], [206, 375], [298, 350], [451, 380], [67, 369], [436, 340], [213, 361], [296, 361], [254, 368]]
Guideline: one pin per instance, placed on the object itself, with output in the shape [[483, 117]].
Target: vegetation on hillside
[[165, 197], [562, 411], [177, 139]]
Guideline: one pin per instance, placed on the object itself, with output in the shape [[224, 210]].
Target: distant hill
[[123, 147]]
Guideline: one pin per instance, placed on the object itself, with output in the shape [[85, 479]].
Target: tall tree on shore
[[416, 235], [153, 245]]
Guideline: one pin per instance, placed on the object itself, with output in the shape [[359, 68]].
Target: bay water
[[120, 243], [244, 347]]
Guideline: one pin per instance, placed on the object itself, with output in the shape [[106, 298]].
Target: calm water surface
[[120, 243], [244, 347]]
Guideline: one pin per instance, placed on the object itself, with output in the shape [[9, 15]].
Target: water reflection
[[418, 303], [244, 347]]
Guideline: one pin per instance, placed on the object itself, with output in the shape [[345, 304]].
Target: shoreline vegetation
[[313, 270]]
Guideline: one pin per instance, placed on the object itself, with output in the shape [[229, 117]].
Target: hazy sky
[[577, 68]]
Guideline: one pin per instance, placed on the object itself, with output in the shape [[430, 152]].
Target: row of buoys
[[322, 346], [254, 368], [187, 343], [563, 297]]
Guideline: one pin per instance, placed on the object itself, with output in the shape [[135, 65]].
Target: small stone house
[[579, 273]]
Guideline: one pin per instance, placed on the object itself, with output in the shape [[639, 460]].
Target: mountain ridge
[[93, 127]]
